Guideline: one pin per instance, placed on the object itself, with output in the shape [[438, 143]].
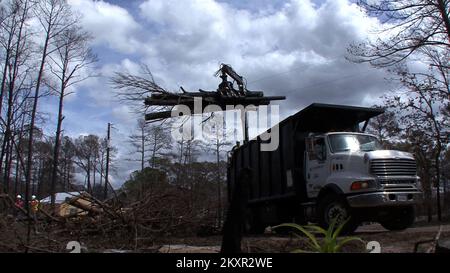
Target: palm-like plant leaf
[[309, 243], [330, 242], [339, 229], [308, 234], [316, 229]]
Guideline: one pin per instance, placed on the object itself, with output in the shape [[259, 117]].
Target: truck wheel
[[400, 219], [335, 207]]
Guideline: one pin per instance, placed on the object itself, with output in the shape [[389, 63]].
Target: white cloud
[[109, 24], [123, 115]]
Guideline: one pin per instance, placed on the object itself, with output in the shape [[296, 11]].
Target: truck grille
[[393, 167], [397, 181]]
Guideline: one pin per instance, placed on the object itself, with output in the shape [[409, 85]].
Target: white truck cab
[[366, 175]]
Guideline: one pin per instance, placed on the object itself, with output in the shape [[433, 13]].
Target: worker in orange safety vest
[[34, 207], [34, 204]]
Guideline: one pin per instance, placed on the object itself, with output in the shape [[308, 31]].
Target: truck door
[[316, 170]]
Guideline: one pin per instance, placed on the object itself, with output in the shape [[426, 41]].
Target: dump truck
[[325, 169]]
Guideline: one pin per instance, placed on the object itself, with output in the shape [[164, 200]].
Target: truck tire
[[400, 219], [332, 206]]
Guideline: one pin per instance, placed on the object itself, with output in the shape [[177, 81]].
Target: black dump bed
[[319, 117], [278, 174]]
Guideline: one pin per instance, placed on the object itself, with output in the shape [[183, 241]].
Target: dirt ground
[[389, 241], [12, 239]]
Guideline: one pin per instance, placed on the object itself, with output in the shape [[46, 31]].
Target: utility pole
[[219, 185], [108, 141]]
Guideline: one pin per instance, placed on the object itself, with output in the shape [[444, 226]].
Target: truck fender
[[329, 189]]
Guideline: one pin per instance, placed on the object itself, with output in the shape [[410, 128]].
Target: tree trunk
[[68, 166], [5, 67], [143, 148], [18, 174], [57, 145], [102, 162], [19, 162], [6, 155], [9, 166], [108, 137], [89, 175], [31, 134], [94, 169], [438, 188], [428, 199]]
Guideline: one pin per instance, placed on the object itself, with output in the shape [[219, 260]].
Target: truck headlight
[[359, 185]]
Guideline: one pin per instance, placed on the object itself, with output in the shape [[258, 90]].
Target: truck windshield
[[353, 142]]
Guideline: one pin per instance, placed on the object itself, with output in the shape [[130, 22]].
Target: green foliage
[[330, 242], [141, 182]]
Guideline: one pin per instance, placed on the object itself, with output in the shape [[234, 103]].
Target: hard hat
[[33, 197], [19, 196]]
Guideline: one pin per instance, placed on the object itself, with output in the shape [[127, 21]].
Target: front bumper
[[384, 199]]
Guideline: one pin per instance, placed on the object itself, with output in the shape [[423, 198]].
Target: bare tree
[[87, 149], [72, 55], [102, 156], [410, 25], [422, 110], [159, 141], [215, 127], [384, 126], [423, 149], [151, 141], [139, 141]]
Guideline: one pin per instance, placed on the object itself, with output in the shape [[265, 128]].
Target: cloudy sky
[[294, 48]]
